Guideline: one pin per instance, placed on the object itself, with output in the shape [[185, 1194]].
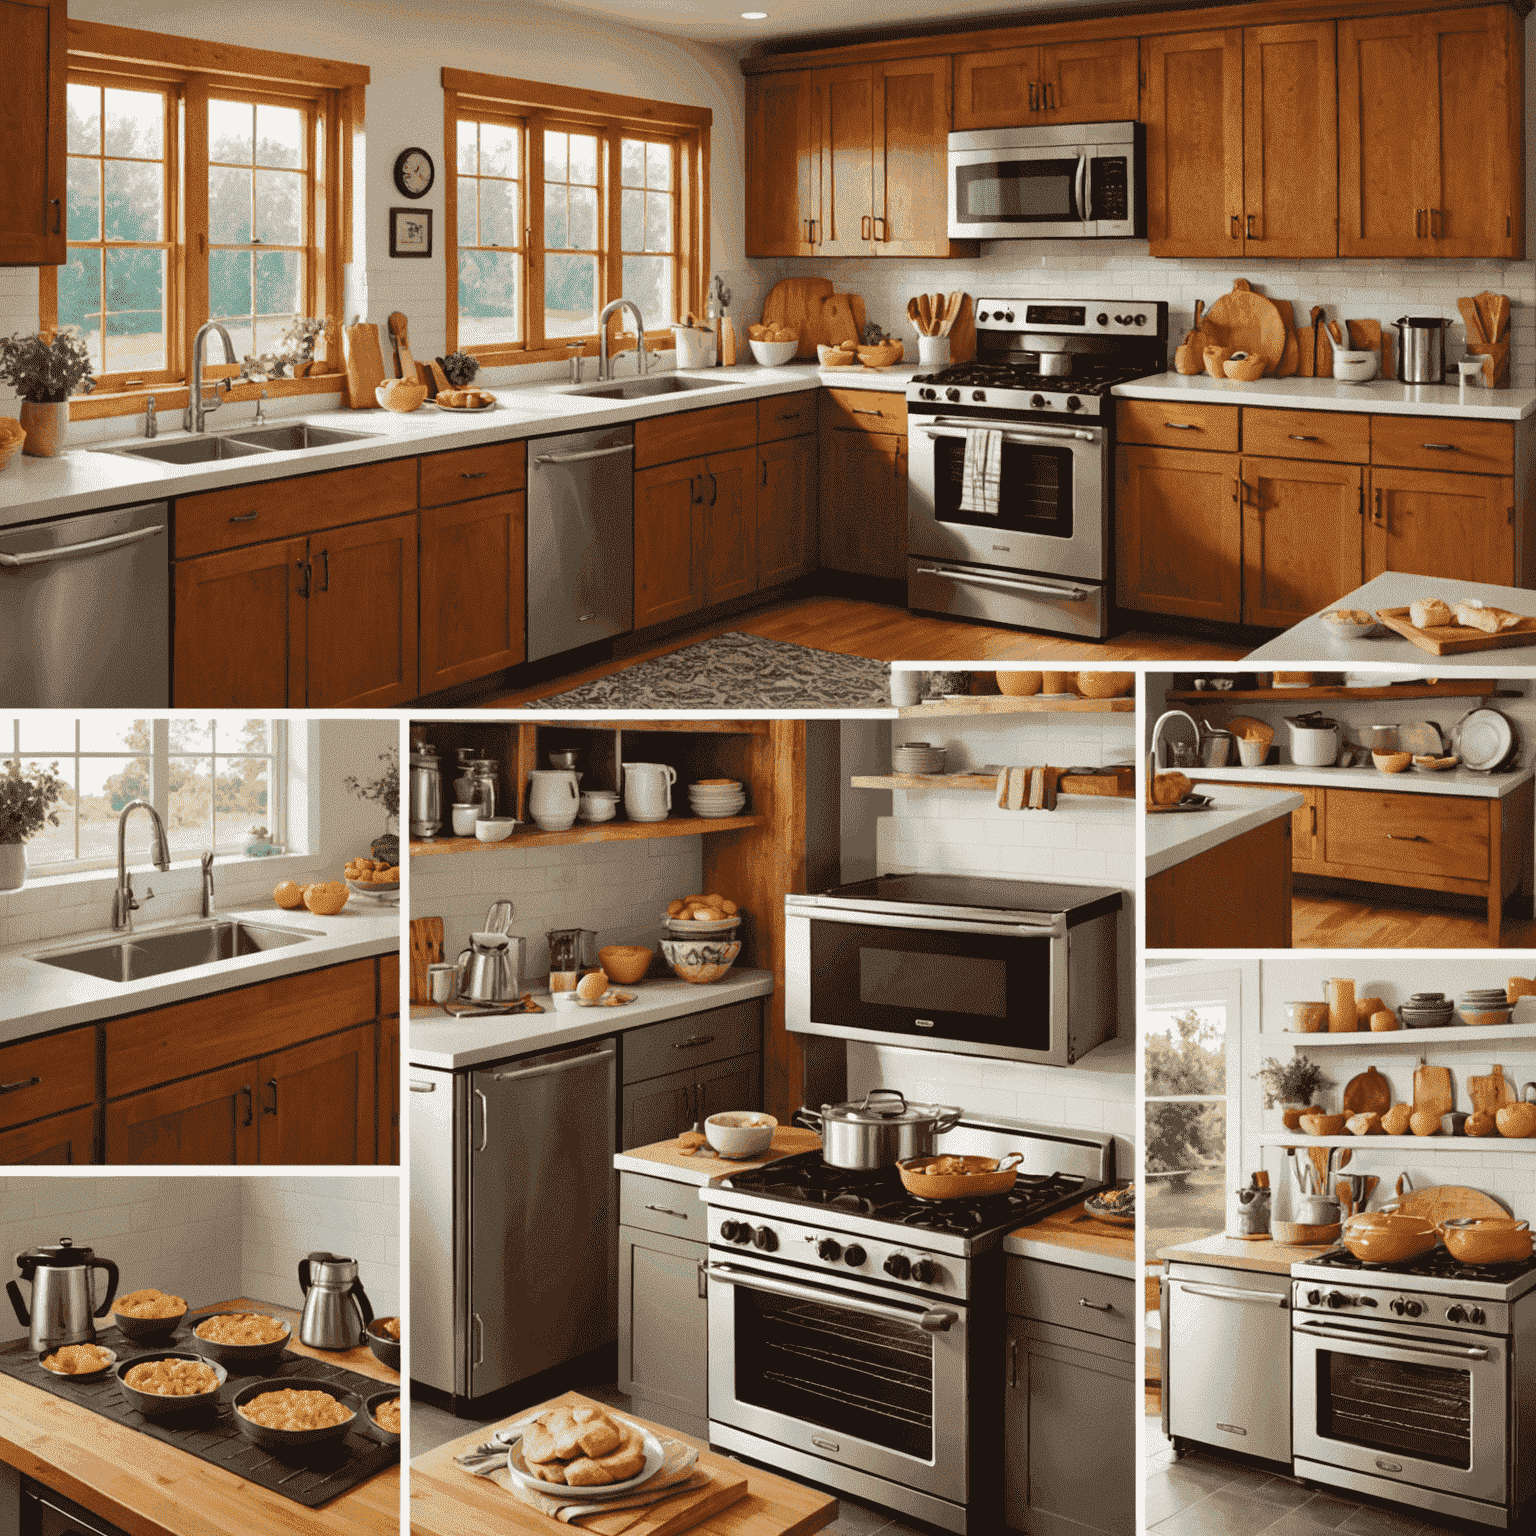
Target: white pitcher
[[648, 790], [553, 798]]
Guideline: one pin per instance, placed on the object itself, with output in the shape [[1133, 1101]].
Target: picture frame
[[410, 232]]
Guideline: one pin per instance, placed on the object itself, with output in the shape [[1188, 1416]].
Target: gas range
[[1015, 387], [1434, 1274]]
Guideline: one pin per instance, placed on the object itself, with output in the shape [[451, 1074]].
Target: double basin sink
[[240, 445], [136, 957]]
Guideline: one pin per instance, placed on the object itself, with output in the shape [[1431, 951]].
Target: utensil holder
[[933, 351]]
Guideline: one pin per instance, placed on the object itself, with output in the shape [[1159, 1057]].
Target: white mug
[[552, 798], [906, 686], [648, 790], [599, 804]]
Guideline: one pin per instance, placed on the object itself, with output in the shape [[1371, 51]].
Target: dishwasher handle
[[577, 458], [569, 1065], [90, 547], [1232, 1293]]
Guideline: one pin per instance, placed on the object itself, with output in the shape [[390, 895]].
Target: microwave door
[[1002, 194]]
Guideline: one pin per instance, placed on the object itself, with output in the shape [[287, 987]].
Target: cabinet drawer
[[64, 1066], [786, 416], [1339, 436], [284, 509], [683, 1042], [1169, 424], [659, 1205], [1072, 1298], [863, 410], [487, 471], [1433, 442], [1434, 835], [690, 434]]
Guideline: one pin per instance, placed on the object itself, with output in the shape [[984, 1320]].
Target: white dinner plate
[[1483, 740], [654, 1456]]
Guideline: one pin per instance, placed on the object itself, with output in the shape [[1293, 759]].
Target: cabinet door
[[1090, 82], [783, 164], [728, 1085], [663, 1322], [669, 520], [1016, 1426], [1458, 526], [472, 589], [730, 525], [209, 1119], [864, 494], [1290, 141], [389, 1090], [363, 617], [911, 157], [64, 1140], [1301, 537], [991, 88], [32, 192], [1194, 117], [1307, 829], [318, 1101], [1179, 541], [845, 110], [659, 1109], [786, 510], [239, 631]]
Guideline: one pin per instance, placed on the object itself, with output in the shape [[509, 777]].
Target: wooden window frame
[[451, 209], [476, 97]]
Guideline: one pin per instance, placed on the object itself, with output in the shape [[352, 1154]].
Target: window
[[563, 201], [212, 779]]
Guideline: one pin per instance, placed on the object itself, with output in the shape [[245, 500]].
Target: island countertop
[[1176, 836], [1453, 781]]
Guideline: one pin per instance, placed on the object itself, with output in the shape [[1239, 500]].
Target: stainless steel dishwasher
[[581, 539], [87, 611]]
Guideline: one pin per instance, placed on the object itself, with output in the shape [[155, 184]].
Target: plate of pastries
[[464, 400], [583, 1452]]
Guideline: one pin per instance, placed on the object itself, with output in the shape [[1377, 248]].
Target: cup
[[1251, 753], [648, 790], [906, 684], [933, 351], [442, 982], [598, 804], [1306, 1018], [464, 818]]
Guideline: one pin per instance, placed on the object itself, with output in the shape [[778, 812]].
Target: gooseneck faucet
[[124, 902], [604, 362], [208, 884], [195, 418]]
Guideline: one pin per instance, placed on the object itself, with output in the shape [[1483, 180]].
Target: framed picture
[[410, 231]]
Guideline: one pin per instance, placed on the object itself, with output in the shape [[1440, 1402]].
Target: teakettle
[[336, 1307], [60, 1277], [491, 969]]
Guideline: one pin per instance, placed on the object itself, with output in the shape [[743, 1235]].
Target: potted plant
[[385, 792], [1292, 1085], [26, 804], [45, 371]]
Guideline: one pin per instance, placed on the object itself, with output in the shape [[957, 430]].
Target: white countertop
[[1051, 1248], [1315, 642], [36, 998], [449, 1045], [1454, 781], [1173, 838], [84, 479], [1381, 397]]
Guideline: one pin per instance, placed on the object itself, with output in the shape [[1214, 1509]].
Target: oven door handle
[[1232, 1293], [1007, 583], [1408, 1346], [1039, 437], [924, 924], [930, 1319]]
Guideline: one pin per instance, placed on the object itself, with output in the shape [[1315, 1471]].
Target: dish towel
[[1027, 789], [982, 473]]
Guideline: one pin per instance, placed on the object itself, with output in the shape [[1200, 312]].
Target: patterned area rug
[[736, 671]]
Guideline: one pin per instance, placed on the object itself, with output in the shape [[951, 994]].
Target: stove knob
[[1073, 403], [1477, 1316], [766, 1239], [1009, 317], [854, 1255], [899, 1266], [1313, 1297], [1455, 1314], [925, 1272], [1141, 319], [1413, 1308], [1365, 1301], [952, 394], [1037, 402], [982, 315], [1336, 1299], [729, 1229], [829, 1249], [929, 394], [1399, 1306], [743, 1233], [978, 395], [1103, 319]]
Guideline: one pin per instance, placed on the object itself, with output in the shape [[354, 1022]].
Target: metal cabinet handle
[[57, 204], [703, 1267], [1050, 95], [250, 1105], [1302, 437], [1237, 489], [866, 228], [1182, 426], [1378, 517], [1233, 1293], [479, 474], [555, 1068], [691, 1041], [578, 458], [480, 1337], [714, 488], [1418, 223], [1436, 223], [1314, 822], [1249, 230], [860, 411], [485, 1120], [308, 571], [814, 223], [662, 1210], [271, 1108], [1442, 447], [1236, 231], [764, 464], [1013, 1362], [246, 517], [1403, 837], [880, 230], [1096, 1306], [1034, 96], [325, 569], [16, 1087], [787, 416], [423, 1087]]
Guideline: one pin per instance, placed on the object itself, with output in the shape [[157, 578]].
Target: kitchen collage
[[899, 898]]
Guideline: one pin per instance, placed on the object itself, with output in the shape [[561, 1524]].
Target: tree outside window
[[1186, 1123]]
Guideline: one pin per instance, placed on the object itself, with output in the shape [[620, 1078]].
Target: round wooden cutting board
[[1245, 321]]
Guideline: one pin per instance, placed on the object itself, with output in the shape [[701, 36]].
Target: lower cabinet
[[662, 1108], [472, 589], [864, 503], [669, 579], [1457, 526], [1301, 537], [1253, 873], [786, 510], [66, 1140]]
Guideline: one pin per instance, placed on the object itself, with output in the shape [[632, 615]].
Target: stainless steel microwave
[[1073, 181]]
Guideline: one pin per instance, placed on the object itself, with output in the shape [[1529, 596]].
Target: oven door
[[1017, 193], [850, 1374], [1430, 1410], [1051, 499]]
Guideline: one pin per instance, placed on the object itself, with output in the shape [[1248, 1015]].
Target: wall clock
[[414, 172]]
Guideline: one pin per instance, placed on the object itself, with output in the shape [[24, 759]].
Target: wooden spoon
[[400, 335], [915, 315], [925, 310]]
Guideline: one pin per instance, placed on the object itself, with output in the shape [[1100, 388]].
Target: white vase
[[13, 866]]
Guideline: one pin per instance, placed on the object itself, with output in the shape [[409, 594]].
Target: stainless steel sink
[[235, 444], [639, 389], [192, 450], [136, 956], [298, 434]]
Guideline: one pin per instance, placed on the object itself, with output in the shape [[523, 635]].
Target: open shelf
[[1000, 704], [1516, 1146], [1122, 786], [1416, 1039], [1462, 688], [602, 832]]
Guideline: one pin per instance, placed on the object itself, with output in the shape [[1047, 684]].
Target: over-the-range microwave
[[1072, 181]]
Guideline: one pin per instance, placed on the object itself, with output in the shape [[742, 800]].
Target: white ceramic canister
[[648, 790], [553, 798]]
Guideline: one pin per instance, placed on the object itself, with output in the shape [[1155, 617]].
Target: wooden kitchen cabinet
[[1301, 537], [1458, 526], [389, 1059], [662, 1108], [729, 525], [473, 589], [1253, 873], [910, 193], [669, 579], [66, 1140], [319, 1101], [783, 187], [787, 500], [864, 483], [45, 1076], [208, 1120], [1092, 81], [845, 114], [32, 177], [1307, 830]]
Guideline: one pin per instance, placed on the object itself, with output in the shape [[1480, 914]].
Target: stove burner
[[1437, 1264], [1097, 381]]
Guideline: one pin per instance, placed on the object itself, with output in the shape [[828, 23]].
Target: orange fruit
[[287, 894], [326, 898]]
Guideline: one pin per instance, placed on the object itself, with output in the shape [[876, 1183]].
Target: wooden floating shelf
[[1516, 1145], [1449, 1034], [1038, 704], [1463, 688], [603, 832], [1122, 786]]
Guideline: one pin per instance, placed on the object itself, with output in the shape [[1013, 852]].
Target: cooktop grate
[[1438, 1264], [312, 1477]]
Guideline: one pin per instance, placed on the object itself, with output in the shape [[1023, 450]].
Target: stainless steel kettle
[[61, 1310], [491, 969], [336, 1307]]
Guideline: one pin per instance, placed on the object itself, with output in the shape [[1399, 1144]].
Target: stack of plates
[[1427, 1010], [1487, 1005], [725, 798], [917, 757]]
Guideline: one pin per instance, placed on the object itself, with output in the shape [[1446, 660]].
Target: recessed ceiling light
[[754, 15]]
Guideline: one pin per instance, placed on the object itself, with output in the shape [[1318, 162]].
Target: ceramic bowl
[[625, 963], [1428, 764], [740, 1133], [1323, 1125], [400, 395], [1487, 1239], [494, 829], [773, 354], [1391, 762], [1385, 1237], [147, 1327], [1338, 632], [700, 962], [295, 1439], [233, 1354], [385, 1349], [372, 1405], [1354, 367], [151, 1404]]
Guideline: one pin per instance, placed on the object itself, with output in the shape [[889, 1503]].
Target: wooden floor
[[854, 628], [1332, 922]]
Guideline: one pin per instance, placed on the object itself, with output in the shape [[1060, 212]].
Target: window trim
[[536, 105]]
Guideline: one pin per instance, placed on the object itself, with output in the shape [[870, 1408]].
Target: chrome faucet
[[1157, 736], [575, 349], [604, 362], [195, 417], [208, 884], [151, 425], [124, 902]]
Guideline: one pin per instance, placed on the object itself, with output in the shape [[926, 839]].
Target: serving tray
[[1455, 639]]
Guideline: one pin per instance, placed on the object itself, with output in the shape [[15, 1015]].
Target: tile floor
[[1206, 1495]]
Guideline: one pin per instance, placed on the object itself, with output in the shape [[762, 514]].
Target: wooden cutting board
[[399, 334], [365, 365], [1245, 321], [796, 302], [685, 1512], [1454, 639], [1432, 1090], [837, 323], [1368, 1093], [426, 949], [1306, 347], [962, 334], [1443, 1202], [1290, 359], [1492, 1091], [1323, 344]]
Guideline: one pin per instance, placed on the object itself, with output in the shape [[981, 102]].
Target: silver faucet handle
[[261, 414], [151, 425]]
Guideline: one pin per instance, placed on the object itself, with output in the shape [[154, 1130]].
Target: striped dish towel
[[981, 474]]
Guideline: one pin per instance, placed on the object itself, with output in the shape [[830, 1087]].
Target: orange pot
[[982, 1176], [1385, 1237], [1487, 1239]]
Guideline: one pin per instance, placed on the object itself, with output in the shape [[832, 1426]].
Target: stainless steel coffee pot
[[426, 792], [491, 969], [1421, 348], [62, 1310], [336, 1307]]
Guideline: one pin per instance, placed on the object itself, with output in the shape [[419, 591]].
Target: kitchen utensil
[[426, 815], [1454, 639], [571, 949], [1421, 349], [1314, 740], [1442, 1202], [1367, 1092], [1392, 762], [796, 302], [1365, 336], [1364, 1199], [490, 969], [962, 331], [740, 1133], [1473, 320], [1487, 1239], [648, 790], [336, 1307], [62, 1293], [464, 818], [981, 1176], [1491, 1092], [1432, 1090], [1321, 1159], [1306, 348], [365, 364], [553, 798], [1215, 748], [1322, 353], [879, 1130], [1245, 321], [1343, 1013], [399, 335], [1385, 1237], [598, 805], [426, 949]]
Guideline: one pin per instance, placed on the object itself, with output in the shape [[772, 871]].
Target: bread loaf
[[1490, 620], [1429, 613], [1170, 788], [1396, 1120]]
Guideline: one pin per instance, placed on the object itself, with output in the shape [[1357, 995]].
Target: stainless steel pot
[[1056, 365], [1421, 349], [60, 1277], [880, 1130]]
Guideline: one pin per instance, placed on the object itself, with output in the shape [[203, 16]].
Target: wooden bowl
[[1391, 762], [1323, 1125], [1366, 1123], [1105, 685], [1019, 685], [400, 395], [1215, 359], [983, 1176], [625, 963], [883, 354], [1244, 369], [1299, 1234]]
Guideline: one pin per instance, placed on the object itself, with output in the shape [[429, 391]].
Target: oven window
[[1034, 493], [834, 1367], [1424, 1411], [1017, 192], [890, 978]]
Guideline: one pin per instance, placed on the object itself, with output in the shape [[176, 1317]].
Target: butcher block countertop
[[1264, 1254], [663, 1160], [152, 1489], [1078, 1243], [446, 1501]]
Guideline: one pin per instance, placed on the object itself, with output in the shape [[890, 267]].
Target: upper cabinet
[[1431, 134], [783, 164], [1086, 82], [32, 130]]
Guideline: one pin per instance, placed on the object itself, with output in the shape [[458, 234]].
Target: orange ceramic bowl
[[1487, 1239], [625, 963], [1384, 1237], [1323, 1125]]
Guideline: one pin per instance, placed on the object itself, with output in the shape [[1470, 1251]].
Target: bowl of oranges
[[372, 877]]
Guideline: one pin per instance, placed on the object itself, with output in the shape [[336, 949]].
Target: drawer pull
[[662, 1210], [1182, 426], [787, 416], [423, 1087], [857, 411], [1442, 447], [1404, 837], [16, 1087], [692, 1040], [245, 517], [250, 1105], [1096, 1306], [479, 474], [1301, 437]]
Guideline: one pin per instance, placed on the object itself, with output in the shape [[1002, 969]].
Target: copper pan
[[983, 1176]]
